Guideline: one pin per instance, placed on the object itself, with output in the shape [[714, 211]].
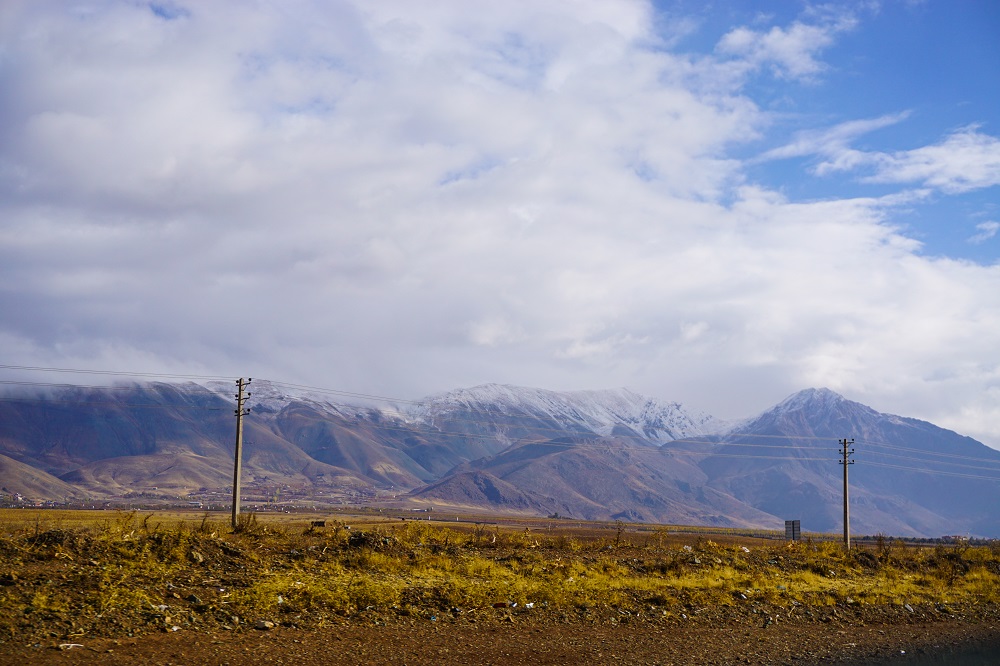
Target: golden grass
[[126, 572]]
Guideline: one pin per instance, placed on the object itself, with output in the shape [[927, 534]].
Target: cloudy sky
[[719, 203]]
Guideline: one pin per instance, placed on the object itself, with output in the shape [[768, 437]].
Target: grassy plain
[[65, 575]]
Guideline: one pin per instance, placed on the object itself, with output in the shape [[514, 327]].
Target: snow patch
[[597, 411]]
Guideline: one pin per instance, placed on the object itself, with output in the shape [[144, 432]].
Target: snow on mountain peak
[[598, 410], [273, 396], [811, 398]]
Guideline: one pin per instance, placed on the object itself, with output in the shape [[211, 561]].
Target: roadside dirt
[[511, 639]]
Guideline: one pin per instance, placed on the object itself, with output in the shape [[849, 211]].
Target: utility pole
[[240, 413], [845, 461]]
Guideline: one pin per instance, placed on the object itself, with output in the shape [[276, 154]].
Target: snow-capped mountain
[[498, 405], [603, 413], [909, 476], [589, 454], [270, 397]]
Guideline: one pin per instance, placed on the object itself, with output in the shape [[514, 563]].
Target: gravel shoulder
[[460, 641]]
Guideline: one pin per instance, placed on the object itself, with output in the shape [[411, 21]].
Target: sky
[[717, 203]]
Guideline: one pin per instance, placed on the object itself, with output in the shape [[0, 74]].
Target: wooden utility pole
[[240, 413], [845, 461]]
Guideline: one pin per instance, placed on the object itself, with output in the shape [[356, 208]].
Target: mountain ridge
[[611, 454]]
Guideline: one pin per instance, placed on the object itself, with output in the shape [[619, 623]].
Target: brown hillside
[[31, 483]]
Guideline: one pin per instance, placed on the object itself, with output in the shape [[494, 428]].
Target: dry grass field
[[67, 577]]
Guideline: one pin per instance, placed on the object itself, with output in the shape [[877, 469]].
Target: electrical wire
[[46, 401], [483, 436], [921, 451], [349, 394], [116, 387], [938, 462], [719, 444], [934, 472], [321, 390], [707, 444], [110, 372]]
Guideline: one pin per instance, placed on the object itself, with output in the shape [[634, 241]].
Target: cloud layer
[[400, 198]]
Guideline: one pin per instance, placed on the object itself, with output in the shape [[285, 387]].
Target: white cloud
[[400, 198], [834, 144], [987, 230], [965, 160], [792, 52]]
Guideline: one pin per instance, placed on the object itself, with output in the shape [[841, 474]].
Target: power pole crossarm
[[241, 398], [845, 461]]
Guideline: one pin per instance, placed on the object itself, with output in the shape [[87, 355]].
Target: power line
[[934, 472], [718, 444], [350, 394], [846, 462], [110, 372], [939, 462], [701, 440], [90, 387], [329, 391], [491, 436], [748, 456], [241, 396], [109, 403], [770, 436], [665, 449], [922, 451]]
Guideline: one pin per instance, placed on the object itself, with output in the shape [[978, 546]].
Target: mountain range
[[584, 454]]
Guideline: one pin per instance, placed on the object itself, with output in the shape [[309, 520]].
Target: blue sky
[[927, 67], [719, 203]]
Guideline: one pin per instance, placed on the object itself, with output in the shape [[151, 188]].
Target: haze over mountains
[[586, 454]]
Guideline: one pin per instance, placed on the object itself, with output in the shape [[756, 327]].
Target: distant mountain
[[179, 437], [171, 438], [587, 454], [597, 478], [19, 479], [516, 412], [910, 476]]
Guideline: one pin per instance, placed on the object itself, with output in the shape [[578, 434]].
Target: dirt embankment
[[458, 641]]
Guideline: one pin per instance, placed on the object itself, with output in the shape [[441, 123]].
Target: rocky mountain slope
[[910, 476], [111, 440], [586, 454]]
